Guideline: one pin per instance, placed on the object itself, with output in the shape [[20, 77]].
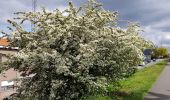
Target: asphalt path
[[161, 89]]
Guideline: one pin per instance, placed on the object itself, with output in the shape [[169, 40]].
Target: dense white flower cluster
[[72, 54]]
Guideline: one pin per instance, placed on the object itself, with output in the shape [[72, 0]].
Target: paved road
[[161, 89], [149, 64]]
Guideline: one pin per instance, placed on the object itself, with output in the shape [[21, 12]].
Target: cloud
[[153, 15], [7, 9]]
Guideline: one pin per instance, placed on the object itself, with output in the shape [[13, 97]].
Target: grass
[[141, 82], [99, 97], [138, 85]]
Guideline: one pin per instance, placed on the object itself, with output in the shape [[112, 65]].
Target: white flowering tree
[[71, 53]]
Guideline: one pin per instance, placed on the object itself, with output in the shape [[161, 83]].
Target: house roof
[[4, 42], [4, 45]]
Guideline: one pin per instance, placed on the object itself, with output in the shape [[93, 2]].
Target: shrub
[[72, 53]]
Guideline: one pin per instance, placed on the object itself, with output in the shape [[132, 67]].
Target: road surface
[[161, 89]]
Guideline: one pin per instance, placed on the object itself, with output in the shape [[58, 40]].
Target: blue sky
[[153, 15]]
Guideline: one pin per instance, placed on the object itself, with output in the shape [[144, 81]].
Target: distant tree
[[160, 52], [72, 53]]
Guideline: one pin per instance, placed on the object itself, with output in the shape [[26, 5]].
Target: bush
[[160, 52], [72, 53]]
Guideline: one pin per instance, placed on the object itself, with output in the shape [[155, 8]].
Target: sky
[[152, 15]]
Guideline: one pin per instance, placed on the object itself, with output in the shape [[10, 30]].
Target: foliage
[[160, 52], [141, 82], [137, 86], [72, 53]]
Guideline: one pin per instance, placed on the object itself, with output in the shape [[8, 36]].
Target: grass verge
[[138, 85]]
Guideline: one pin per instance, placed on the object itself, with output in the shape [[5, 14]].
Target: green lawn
[[137, 86]]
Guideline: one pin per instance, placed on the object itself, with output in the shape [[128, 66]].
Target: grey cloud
[[153, 15]]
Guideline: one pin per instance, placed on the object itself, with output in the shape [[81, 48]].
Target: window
[[7, 85]]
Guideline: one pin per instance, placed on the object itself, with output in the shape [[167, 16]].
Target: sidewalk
[[161, 89]]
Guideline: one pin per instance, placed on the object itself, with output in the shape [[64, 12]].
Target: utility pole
[[34, 6]]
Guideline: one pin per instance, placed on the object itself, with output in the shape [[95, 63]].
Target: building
[[148, 53], [7, 78]]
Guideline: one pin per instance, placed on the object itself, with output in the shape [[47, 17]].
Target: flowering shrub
[[72, 53]]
